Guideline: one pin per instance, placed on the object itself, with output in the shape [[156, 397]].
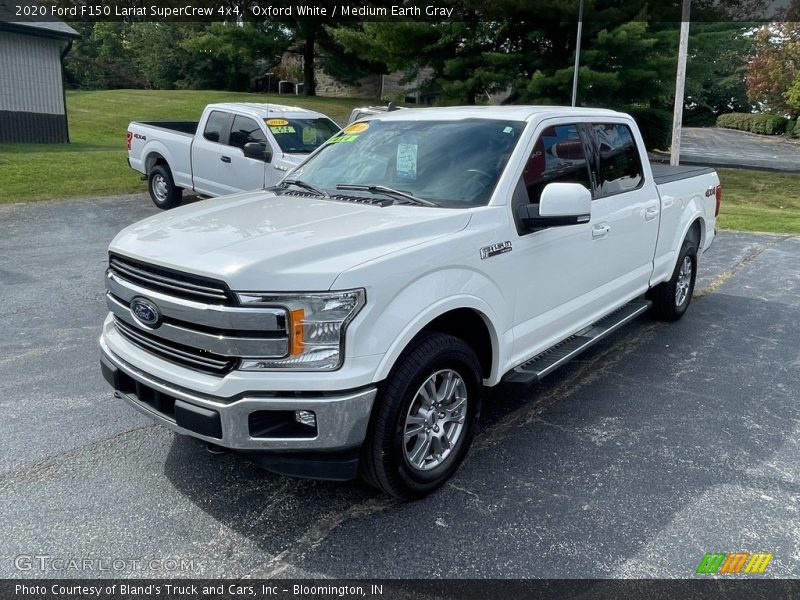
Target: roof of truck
[[262, 110], [506, 112]]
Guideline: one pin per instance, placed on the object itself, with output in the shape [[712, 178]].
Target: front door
[[555, 269]]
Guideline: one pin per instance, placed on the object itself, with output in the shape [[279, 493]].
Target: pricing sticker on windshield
[[277, 122], [342, 138], [309, 136], [282, 129], [406, 165], [356, 128]]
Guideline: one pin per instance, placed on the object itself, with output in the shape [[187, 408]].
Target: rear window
[[214, 126]]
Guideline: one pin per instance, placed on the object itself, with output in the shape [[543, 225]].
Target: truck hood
[[258, 241]]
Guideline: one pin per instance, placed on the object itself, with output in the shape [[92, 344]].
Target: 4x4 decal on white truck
[[495, 249]]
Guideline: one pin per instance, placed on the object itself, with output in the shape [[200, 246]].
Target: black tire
[[666, 296], [384, 458], [162, 188]]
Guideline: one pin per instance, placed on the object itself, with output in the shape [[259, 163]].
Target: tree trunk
[[471, 97], [309, 82]]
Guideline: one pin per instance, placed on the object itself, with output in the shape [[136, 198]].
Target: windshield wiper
[[382, 189], [306, 186]]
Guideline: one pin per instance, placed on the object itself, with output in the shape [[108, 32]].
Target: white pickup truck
[[345, 321], [234, 147]]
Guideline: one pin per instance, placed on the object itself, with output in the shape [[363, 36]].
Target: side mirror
[[560, 204], [258, 151]]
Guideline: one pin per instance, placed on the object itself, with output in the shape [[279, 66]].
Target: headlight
[[316, 324]]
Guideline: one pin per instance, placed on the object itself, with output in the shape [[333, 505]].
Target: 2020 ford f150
[[345, 321], [233, 148]]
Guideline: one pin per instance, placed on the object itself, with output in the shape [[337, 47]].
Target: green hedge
[[794, 128], [754, 123], [655, 125]]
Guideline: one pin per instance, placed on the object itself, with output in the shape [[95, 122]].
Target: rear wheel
[[423, 422], [162, 187], [672, 298]]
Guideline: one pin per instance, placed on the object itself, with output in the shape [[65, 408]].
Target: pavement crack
[[317, 534], [725, 276], [465, 491], [41, 469]]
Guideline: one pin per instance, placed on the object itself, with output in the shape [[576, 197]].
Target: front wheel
[[671, 298], [424, 419], [162, 188]]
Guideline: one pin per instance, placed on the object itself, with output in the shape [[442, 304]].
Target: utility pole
[[680, 86], [577, 56]]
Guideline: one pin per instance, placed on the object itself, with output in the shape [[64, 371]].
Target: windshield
[[454, 164], [301, 136]]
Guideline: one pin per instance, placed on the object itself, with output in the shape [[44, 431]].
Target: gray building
[[32, 103]]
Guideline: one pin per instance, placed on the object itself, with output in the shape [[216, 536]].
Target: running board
[[555, 356]]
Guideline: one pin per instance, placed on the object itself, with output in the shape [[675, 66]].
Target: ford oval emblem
[[145, 312]]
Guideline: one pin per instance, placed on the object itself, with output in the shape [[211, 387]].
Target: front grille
[[187, 356], [174, 283]]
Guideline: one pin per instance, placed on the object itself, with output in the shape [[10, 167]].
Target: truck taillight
[[129, 137], [718, 194]]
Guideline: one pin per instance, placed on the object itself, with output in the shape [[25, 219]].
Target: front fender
[[419, 303]]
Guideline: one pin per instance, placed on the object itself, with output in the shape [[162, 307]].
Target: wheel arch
[[464, 318], [153, 158]]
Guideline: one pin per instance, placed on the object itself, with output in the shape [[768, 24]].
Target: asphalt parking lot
[[720, 147], [662, 443]]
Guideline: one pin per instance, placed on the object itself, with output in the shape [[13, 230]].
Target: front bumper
[[250, 422]]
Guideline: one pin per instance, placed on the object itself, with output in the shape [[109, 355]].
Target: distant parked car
[[234, 147], [370, 111]]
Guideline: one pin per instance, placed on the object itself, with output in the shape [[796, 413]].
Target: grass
[[760, 201], [94, 163]]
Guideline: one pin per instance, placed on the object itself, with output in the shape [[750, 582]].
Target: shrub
[[754, 123], [655, 125], [794, 129]]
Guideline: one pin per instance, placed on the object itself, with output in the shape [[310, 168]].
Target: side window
[[245, 130], [619, 168], [558, 156], [214, 126]]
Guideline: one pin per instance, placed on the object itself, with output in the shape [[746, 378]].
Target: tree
[[230, 56], [717, 70], [774, 68], [101, 58]]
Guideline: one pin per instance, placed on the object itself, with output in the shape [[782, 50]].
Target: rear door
[[625, 210], [211, 155]]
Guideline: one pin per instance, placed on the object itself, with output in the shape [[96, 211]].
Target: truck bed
[[668, 173], [184, 127]]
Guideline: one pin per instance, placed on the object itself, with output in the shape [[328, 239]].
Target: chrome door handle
[[651, 213], [599, 231]]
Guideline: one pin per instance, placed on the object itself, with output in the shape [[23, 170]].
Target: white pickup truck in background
[[234, 147], [345, 321]]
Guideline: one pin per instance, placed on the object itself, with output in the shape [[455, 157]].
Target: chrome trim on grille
[[250, 347], [209, 315], [199, 360], [158, 277]]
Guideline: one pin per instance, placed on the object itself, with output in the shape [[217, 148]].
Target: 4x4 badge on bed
[[495, 249], [145, 312]]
